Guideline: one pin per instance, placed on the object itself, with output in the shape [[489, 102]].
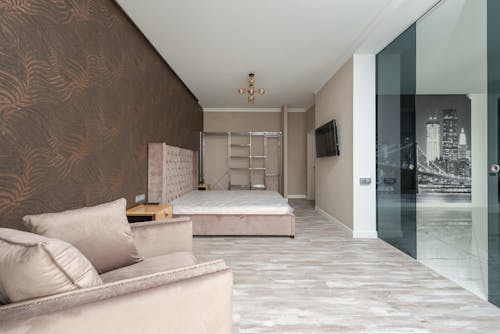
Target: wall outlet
[[140, 198], [365, 181]]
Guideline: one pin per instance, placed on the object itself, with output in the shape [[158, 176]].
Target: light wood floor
[[324, 281]]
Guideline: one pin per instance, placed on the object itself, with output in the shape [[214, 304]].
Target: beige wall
[[310, 153], [216, 152], [242, 121], [334, 175], [284, 129], [216, 147], [297, 153], [310, 118]]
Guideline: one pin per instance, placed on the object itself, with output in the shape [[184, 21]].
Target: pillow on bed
[[102, 233], [34, 266]]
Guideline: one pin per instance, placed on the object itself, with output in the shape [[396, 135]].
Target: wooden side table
[[203, 186], [148, 212]]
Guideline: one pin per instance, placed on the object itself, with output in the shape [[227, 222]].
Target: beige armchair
[[168, 292]]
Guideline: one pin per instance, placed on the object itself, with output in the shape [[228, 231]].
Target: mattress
[[225, 202]]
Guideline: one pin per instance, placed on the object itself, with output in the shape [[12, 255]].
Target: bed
[[240, 212], [172, 178]]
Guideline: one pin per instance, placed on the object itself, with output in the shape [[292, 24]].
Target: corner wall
[[364, 143], [311, 118], [297, 155], [334, 175], [310, 153], [284, 126]]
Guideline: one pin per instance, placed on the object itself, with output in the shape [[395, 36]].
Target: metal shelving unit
[[257, 163]]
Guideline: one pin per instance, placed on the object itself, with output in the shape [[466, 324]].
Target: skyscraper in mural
[[433, 139], [443, 148], [462, 145], [463, 155], [450, 141]]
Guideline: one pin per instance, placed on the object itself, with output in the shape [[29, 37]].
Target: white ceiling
[[293, 46]]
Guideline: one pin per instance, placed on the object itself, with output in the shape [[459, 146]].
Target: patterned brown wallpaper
[[82, 92]]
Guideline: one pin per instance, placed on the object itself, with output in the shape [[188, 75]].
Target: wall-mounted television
[[327, 143]]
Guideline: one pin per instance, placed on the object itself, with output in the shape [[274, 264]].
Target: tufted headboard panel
[[172, 172]]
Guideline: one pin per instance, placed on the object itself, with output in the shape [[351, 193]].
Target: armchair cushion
[[102, 233], [162, 237], [33, 266], [150, 266]]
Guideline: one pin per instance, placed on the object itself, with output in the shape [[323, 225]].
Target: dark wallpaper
[[82, 92]]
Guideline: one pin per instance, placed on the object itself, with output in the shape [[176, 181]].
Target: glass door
[[396, 149], [438, 143], [493, 152], [452, 141]]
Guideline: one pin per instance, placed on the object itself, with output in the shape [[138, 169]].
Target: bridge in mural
[[432, 177]]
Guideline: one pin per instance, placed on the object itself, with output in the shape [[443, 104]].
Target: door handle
[[495, 168], [412, 167]]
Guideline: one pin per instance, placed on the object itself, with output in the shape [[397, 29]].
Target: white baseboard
[[364, 234], [297, 196], [333, 219], [355, 234]]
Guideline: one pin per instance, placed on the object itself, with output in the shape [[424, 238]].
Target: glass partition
[[438, 102], [396, 159]]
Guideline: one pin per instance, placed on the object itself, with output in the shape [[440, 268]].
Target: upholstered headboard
[[172, 172]]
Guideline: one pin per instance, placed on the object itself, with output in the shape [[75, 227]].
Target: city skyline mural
[[443, 134]]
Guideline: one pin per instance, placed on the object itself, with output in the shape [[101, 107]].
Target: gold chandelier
[[251, 89]]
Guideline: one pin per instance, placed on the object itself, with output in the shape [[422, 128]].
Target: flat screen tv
[[327, 143]]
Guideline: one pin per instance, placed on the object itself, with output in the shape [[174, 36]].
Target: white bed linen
[[227, 202]]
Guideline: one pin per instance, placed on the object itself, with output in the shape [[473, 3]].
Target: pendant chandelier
[[251, 90]]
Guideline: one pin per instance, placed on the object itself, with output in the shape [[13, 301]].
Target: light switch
[[365, 181]]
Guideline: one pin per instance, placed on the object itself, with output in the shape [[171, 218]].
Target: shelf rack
[[250, 147]]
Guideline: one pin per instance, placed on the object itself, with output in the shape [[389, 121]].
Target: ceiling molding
[[241, 109], [296, 110], [312, 105]]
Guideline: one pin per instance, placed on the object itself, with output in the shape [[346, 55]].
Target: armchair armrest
[[195, 299], [163, 236]]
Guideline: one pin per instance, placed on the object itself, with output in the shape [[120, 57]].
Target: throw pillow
[[102, 233], [34, 266]]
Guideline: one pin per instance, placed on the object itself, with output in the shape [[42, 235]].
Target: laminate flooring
[[323, 281]]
